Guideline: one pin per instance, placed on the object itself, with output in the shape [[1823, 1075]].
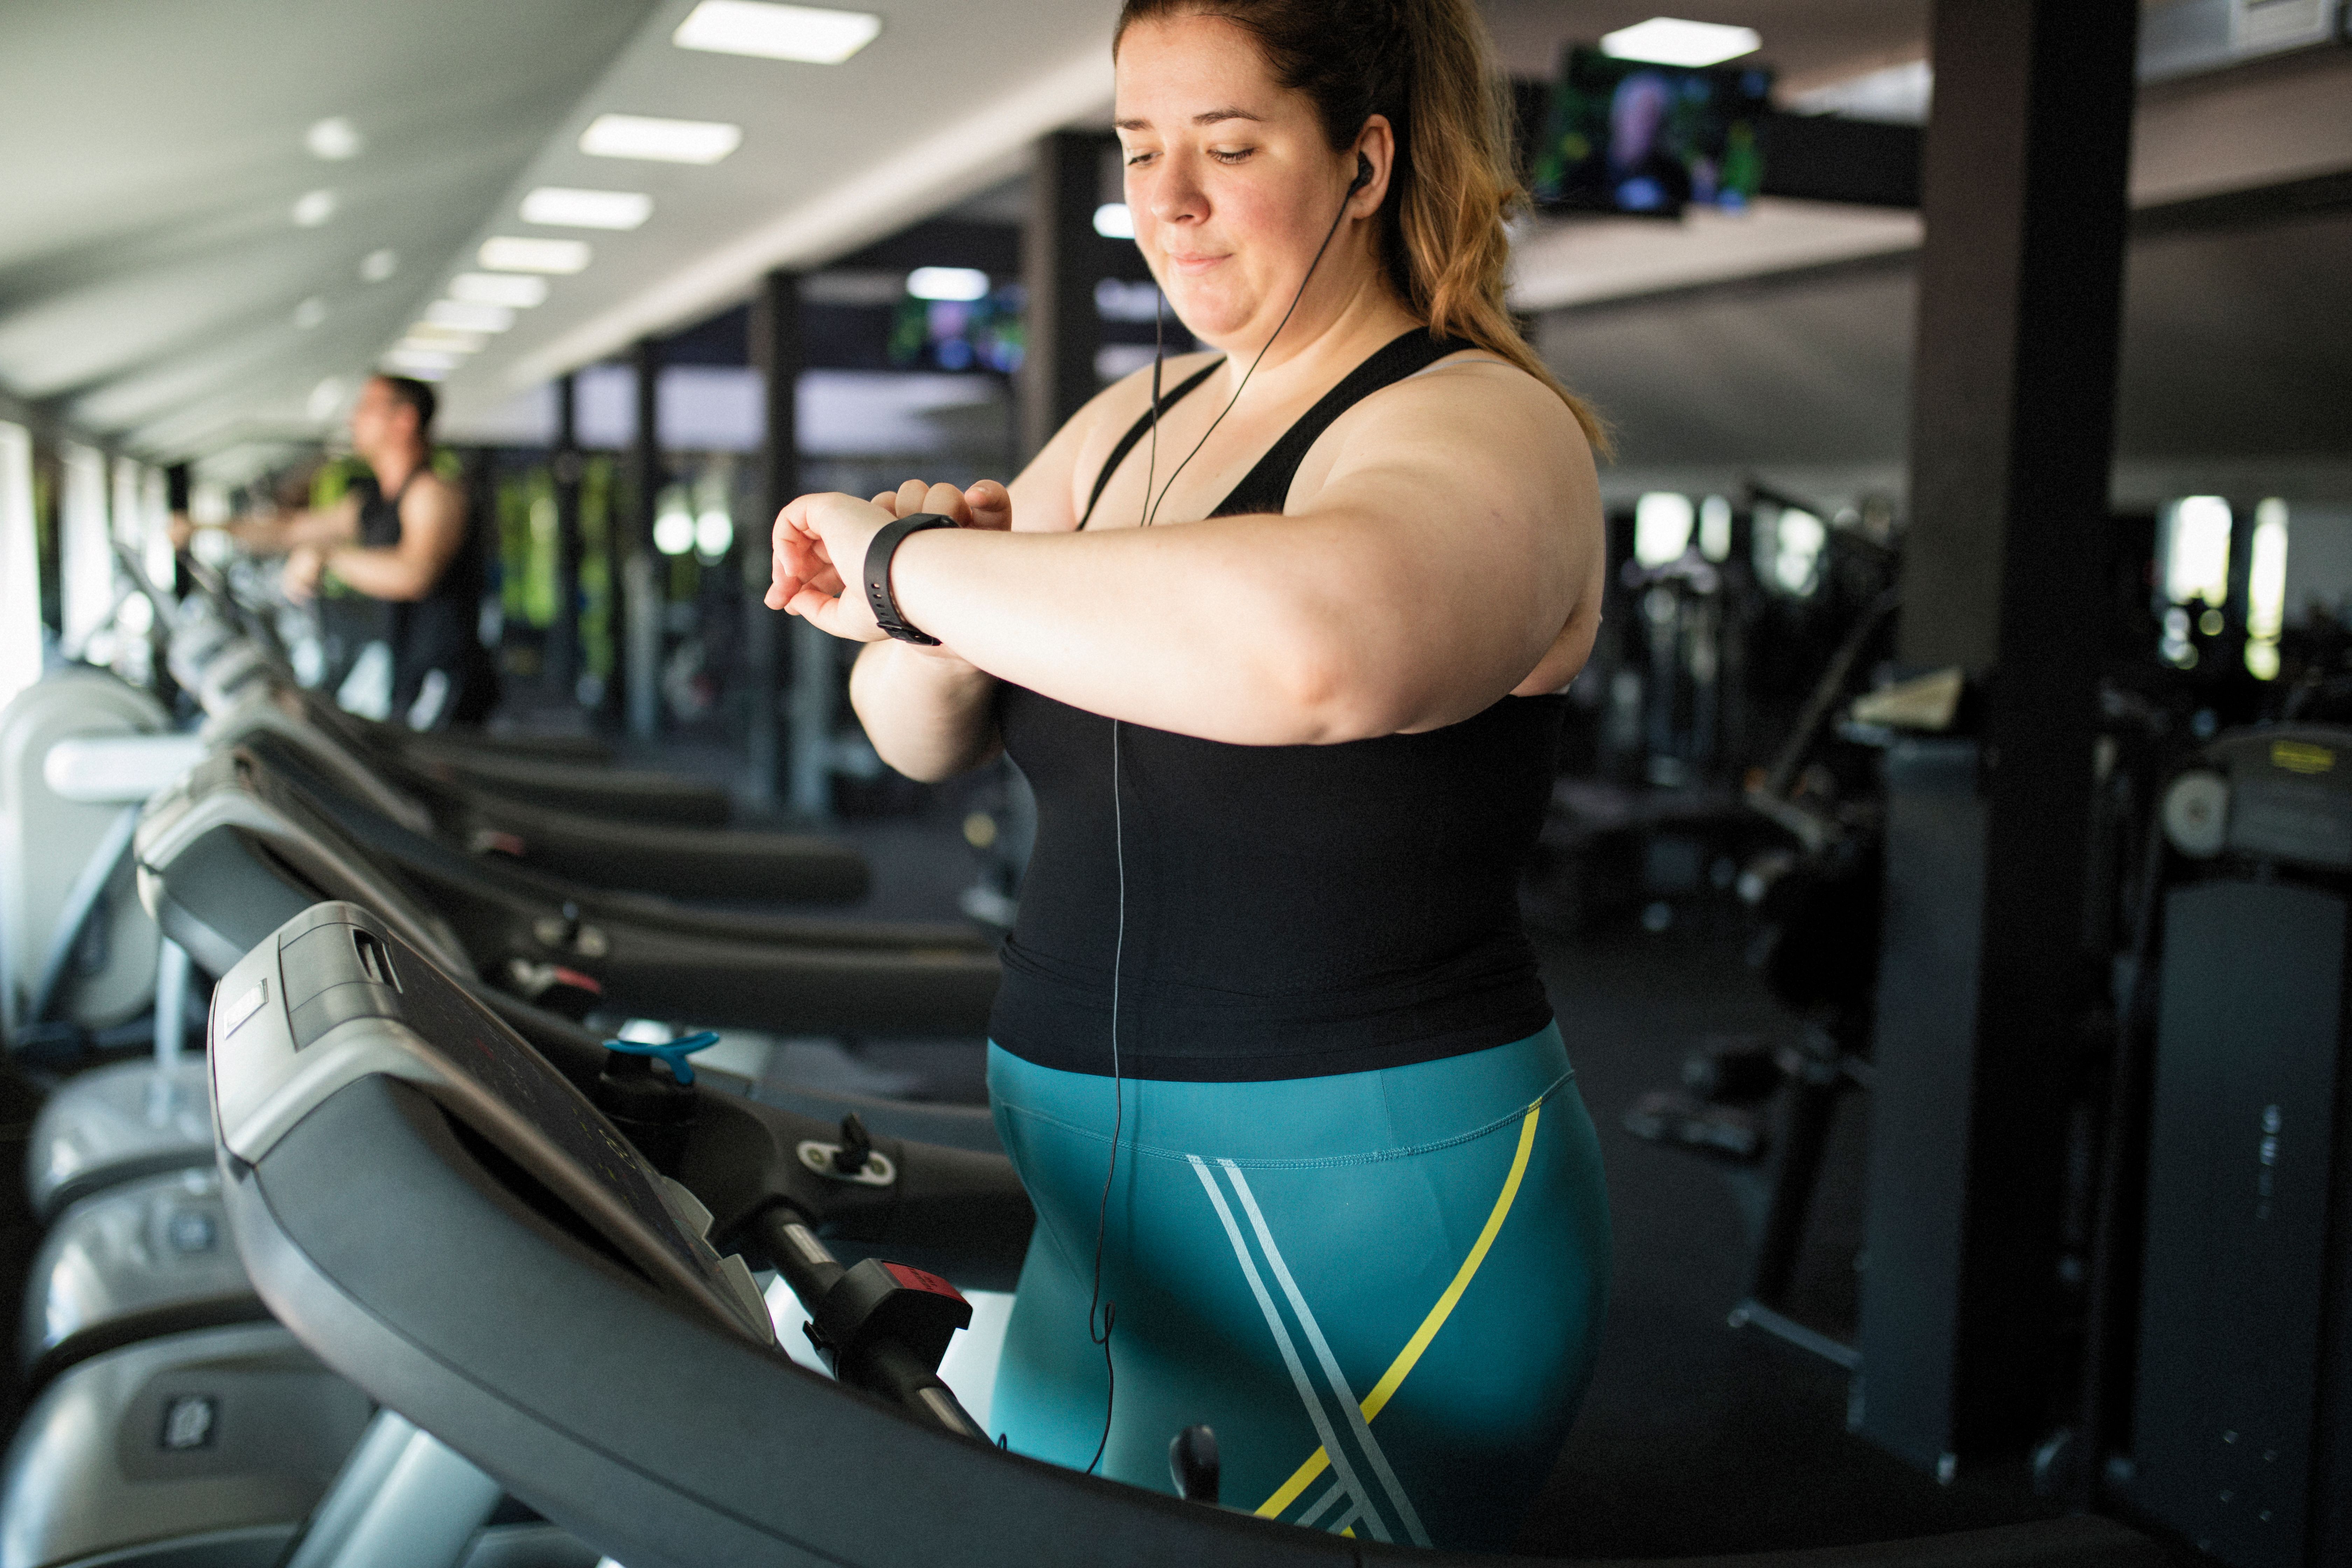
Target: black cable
[[1151, 512], [1109, 1310], [1118, 951]]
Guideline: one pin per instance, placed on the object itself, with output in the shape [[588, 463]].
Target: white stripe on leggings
[[1340, 1392], [1298, 1378], [1315, 1509]]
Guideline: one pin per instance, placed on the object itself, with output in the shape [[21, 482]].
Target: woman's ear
[[1375, 161]]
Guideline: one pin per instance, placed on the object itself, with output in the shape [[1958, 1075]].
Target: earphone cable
[[1109, 1310], [1096, 1306], [1151, 512]]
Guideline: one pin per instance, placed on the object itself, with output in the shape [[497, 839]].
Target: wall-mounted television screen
[[1627, 136]]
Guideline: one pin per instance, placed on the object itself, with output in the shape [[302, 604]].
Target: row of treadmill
[[407, 1264]]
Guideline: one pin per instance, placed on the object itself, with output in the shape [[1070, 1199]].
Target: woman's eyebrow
[[1208, 117]]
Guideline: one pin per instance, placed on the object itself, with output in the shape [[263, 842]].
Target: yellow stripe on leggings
[[1385, 1390]]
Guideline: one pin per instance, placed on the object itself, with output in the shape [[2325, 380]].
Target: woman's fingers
[[990, 504], [916, 495], [814, 537]]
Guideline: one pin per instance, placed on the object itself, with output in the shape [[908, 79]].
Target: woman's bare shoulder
[[1467, 403]]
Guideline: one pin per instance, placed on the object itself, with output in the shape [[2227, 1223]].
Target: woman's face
[[1229, 177]]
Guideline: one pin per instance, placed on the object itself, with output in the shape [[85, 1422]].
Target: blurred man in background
[[403, 538]]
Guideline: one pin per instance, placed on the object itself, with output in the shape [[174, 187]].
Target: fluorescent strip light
[[659, 141], [441, 339], [823, 37], [515, 291], [1670, 41], [558, 207], [509, 254], [1113, 221], [467, 318], [426, 364], [948, 283]]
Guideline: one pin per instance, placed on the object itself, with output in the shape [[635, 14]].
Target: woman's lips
[[1193, 265]]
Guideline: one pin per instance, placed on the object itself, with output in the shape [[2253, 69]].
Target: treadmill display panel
[[469, 1040]]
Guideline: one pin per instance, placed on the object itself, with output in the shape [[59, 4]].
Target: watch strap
[[877, 574]]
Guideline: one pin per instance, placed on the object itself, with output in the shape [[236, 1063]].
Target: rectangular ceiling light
[[426, 364], [515, 291], [660, 140], [461, 317], [1668, 41], [509, 254], [560, 208], [823, 37], [443, 340]]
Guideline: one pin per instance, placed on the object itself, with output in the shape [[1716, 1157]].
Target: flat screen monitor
[[1627, 136]]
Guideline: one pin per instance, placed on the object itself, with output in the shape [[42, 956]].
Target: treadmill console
[[284, 834], [333, 996]]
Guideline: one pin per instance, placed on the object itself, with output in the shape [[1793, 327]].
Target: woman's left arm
[[1447, 544]]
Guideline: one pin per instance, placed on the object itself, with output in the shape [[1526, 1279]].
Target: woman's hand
[[821, 541]]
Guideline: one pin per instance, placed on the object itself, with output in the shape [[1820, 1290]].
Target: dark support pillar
[[563, 632], [179, 487], [1060, 249], [487, 541], [636, 618], [777, 351], [1984, 979]]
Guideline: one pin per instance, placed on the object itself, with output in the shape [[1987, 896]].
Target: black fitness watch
[[877, 574]]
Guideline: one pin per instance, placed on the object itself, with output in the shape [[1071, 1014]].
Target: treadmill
[[591, 827], [210, 850], [233, 848], [407, 1180], [221, 670]]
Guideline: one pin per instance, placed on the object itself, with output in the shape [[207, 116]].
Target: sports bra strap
[[1266, 487], [1137, 431]]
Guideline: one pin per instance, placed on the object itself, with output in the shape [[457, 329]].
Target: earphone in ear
[[1363, 174]]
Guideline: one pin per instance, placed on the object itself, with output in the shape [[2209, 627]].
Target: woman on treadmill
[[1272, 1053]]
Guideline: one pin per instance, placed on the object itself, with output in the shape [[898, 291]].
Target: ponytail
[[1425, 65]]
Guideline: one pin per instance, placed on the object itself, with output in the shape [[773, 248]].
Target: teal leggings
[[1382, 1289]]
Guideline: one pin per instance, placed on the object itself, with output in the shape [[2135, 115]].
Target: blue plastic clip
[[674, 1052]]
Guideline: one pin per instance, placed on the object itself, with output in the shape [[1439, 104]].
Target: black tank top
[[1291, 910], [438, 631]]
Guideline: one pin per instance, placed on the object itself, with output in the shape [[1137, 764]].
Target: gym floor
[[1695, 1438]]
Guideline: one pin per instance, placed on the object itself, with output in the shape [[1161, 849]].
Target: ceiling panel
[[150, 253], [2234, 353], [941, 106]]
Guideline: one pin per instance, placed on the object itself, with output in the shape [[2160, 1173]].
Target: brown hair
[[1423, 64], [416, 395]]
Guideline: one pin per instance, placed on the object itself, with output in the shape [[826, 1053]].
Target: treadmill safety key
[[873, 1302]]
